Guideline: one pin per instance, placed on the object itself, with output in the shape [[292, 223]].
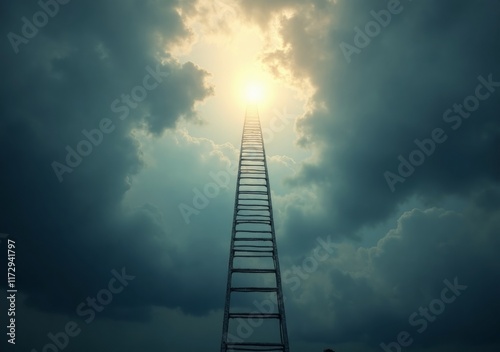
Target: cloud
[[64, 80], [366, 113], [368, 294]]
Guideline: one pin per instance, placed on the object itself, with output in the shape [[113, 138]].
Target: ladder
[[254, 313]]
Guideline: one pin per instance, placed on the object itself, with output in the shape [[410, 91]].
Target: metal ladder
[[253, 255]]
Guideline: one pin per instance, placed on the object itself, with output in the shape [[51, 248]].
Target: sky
[[120, 125]]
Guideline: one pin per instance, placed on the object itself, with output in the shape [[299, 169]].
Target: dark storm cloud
[[397, 89], [63, 80], [372, 294]]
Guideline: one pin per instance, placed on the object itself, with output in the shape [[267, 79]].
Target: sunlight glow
[[254, 93]]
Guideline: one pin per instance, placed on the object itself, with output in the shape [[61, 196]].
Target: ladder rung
[[254, 271], [252, 246], [263, 193], [254, 289], [240, 238], [241, 207], [255, 315], [254, 215], [252, 207], [252, 239], [264, 184], [262, 222], [265, 238], [253, 189], [259, 219], [252, 251], [256, 349], [263, 348], [252, 222], [253, 231], [255, 344], [264, 201], [264, 198]]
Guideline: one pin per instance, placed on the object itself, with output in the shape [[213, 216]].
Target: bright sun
[[254, 93]]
